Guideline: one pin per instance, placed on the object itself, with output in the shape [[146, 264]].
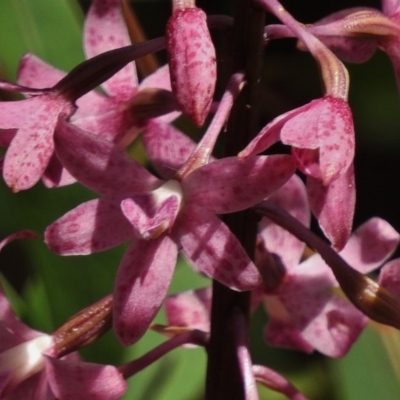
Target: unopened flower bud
[[192, 61], [84, 327]]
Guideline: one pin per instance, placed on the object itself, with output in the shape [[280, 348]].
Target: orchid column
[[223, 380]]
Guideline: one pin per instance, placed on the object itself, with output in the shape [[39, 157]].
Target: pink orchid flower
[[305, 313], [162, 218], [28, 126], [321, 134], [29, 367]]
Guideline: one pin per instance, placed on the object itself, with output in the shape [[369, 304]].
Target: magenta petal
[[105, 30], [234, 184], [213, 250], [389, 277], [55, 175], [167, 147], [141, 285], [31, 149], [76, 380], [13, 114], [287, 335], [35, 73], [328, 125], [390, 7], [270, 134], [93, 226], [99, 164], [330, 324], [333, 206], [292, 197], [146, 218], [190, 309], [370, 245], [6, 136]]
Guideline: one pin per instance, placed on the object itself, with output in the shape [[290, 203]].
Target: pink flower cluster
[[66, 131]]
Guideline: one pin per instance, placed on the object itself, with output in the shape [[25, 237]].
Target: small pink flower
[[162, 218], [321, 134], [304, 311]]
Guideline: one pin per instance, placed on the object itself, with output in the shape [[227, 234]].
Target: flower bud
[[192, 62]]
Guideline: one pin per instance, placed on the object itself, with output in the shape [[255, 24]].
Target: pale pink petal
[[370, 245], [76, 380], [99, 164], [327, 125], [213, 250], [36, 73], [234, 184], [93, 226], [31, 149], [190, 309], [389, 277], [105, 30], [141, 286], [167, 147], [292, 197], [333, 206]]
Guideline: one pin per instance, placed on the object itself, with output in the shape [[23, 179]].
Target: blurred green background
[[47, 289]]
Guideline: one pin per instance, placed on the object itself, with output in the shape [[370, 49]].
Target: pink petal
[[287, 335], [190, 309], [330, 324], [270, 134], [99, 164], [93, 226], [292, 197], [390, 7], [31, 149], [234, 184], [14, 114], [36, 73], [192, 62], [333, 31], [333, 206], [327, 125], [147, 218], [370, 245], [6, 136], [102, 116], [105, 30], [76, 380], [167, 147], [389, 277], [213, 250], [55, 175], [160, 79], [141, 285]]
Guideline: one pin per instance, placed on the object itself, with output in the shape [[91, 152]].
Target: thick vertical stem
[[223, 374]]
